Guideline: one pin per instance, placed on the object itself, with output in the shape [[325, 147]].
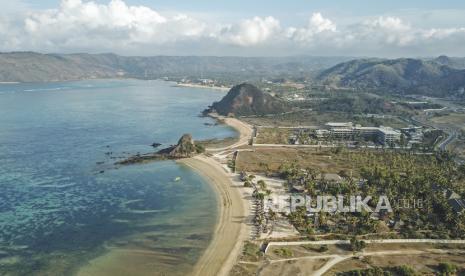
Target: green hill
[[404, 76], [36, 67], [246, 99]]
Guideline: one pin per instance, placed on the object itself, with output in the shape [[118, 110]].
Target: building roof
[[333, 124], [457, 205], [343, 129], [449, 194], [389, 130], [367, 128]]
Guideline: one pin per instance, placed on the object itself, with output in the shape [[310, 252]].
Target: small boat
[[177, 179]]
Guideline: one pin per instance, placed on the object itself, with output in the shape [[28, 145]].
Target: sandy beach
[[203, 86], [230, 231], [245, 131], [231, 228]]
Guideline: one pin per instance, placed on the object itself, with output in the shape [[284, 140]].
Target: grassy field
[[263, 160], [458, 147], [425, 260], [425, 264], [217, 143], [273, 135], [455, 119]]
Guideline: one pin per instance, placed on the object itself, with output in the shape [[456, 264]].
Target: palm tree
[[262, 184]]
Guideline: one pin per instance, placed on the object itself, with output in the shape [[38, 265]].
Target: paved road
[[451, 137]]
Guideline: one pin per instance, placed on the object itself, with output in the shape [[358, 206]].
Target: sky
[[395, 28]]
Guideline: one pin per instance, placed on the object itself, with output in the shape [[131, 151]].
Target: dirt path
[[336, 259]]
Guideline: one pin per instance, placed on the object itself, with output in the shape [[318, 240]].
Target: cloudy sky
[[242, 27]]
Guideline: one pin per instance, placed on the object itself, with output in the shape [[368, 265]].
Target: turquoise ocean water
[[64, 207]]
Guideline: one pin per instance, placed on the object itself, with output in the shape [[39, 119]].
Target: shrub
[[284, 252], [447, 268], [405, 270]]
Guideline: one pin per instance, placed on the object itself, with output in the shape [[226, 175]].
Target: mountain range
[[402, 76], [36, 67], [441, 76]]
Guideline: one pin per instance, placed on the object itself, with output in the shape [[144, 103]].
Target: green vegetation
[[356, 245], [402, 177], [366, 272], [246, 99], [199, 148], [284, 252], [273, 136], [377, 271], [447, 269], [36, 67], [400, 76], [358, 104], [318, 118], [261, 184], [251, 251]]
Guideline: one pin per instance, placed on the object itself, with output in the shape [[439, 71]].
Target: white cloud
[[387, 30], [82, 23], [443, 33], [317, 25], [249, 32], [77, 25]]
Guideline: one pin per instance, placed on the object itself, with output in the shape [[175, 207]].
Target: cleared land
[[270, 159], [273, 135], [456, 120], [310, 260], [458, 147], [424, 263], [313, 118]]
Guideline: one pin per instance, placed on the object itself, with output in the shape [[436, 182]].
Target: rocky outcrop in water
[[185, 148]]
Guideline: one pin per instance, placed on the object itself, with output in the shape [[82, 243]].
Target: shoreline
[[193, 85], [244, 130], [230, 229]]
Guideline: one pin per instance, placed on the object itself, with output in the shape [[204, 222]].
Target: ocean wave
[[47, 89]]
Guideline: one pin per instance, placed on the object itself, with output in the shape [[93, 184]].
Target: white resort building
[[383, 135]]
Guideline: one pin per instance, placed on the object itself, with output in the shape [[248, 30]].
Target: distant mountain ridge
[[36, 67], [246, 99], [406, 75], [442, 76], [454, 62]]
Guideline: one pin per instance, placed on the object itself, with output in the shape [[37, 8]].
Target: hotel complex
[[382, 135]]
